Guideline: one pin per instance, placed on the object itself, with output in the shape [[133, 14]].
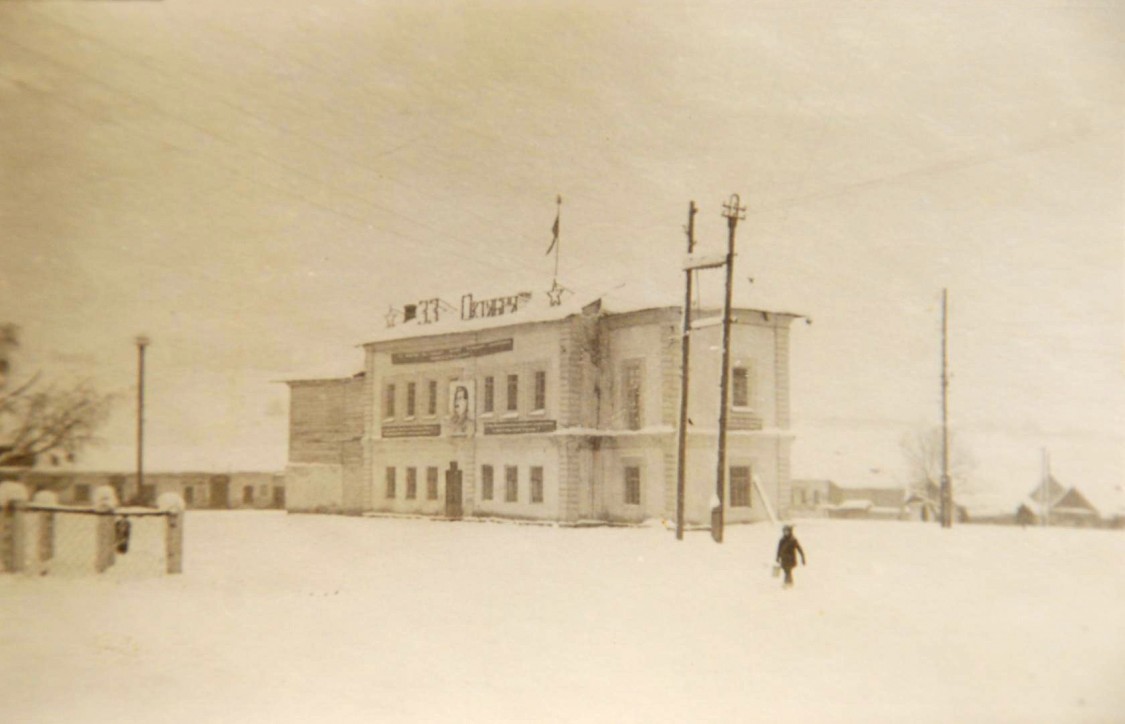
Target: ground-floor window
[[536, 484], [189, 495], [632, 485], [486, 482], [411, 483], [431, 483], [740, 486], [390, 483], [511, 483], [248, 494]]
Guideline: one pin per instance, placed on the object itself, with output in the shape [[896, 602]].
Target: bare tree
[[922, 450], [55, 422]]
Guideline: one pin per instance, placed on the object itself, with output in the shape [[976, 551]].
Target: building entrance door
[[453, 491]]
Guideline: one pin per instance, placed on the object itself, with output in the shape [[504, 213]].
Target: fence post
[[106, 538], [174, 541], [46, 535]]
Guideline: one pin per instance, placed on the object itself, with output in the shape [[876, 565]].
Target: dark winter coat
[[787, 550]]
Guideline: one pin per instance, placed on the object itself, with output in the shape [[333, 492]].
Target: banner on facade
[[419, 430], [519, 427], [462, 407], [463, 351]]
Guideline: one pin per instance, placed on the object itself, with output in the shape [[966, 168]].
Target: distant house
[[1054, 504], [924, 503], [810, 496]]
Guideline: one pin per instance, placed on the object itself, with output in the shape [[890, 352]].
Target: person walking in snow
[[787, 549]]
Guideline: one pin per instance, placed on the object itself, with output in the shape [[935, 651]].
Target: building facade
[[555, 413]]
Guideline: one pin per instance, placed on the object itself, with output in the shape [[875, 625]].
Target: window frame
[[536, 481], [411, 483], [433, 482], [512, 390], [488, 402], [390, 482], [632, 370], [487, 482], [539, 392], [626, 469], [749, 485], [389, 395]]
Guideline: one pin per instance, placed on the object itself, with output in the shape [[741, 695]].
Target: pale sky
[[253, 186]]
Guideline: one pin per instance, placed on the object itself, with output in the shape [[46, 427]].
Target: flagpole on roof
[[555, 294]]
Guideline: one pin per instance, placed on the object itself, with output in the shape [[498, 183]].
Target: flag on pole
[[555, 227]]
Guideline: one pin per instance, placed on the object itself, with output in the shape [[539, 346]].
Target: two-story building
[[511, 407]]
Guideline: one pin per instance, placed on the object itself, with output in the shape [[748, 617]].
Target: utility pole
[[946, 485], [685, 354], [734, 212], [142, 342]]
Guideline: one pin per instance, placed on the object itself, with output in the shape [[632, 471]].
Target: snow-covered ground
[[320, 618]]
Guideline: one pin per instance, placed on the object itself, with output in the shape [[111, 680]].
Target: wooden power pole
[[685, 355], [734, 212], [946, 484]]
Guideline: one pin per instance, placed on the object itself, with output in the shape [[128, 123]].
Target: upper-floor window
[[740, 486], [740, 386], [486, 482], [632, 485], [632, 384], [536, 484], [389, 400], [431, 400], [411, 395], [489, 394], [513, 393], [540, 390]]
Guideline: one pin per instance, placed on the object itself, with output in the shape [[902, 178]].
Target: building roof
[[535, 306]]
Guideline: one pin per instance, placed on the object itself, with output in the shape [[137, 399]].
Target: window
[[540, 390], [631, 387], [489, 393], [390, 493], [410, 398], [389, 401], [431, 401], [411, 483], [189, 495], [486, 482], [536, 484], [431, 483], [740, 487], [816, 497], [513, 393], [511, 483], [247, 494], [632, 485], [740, 387], [81, 493]]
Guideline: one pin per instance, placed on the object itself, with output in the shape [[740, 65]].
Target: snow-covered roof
[[524, 306]]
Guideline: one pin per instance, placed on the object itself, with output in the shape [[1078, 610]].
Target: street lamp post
[[142, 342]]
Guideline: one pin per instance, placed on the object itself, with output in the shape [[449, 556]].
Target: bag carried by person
[[776, 571]]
